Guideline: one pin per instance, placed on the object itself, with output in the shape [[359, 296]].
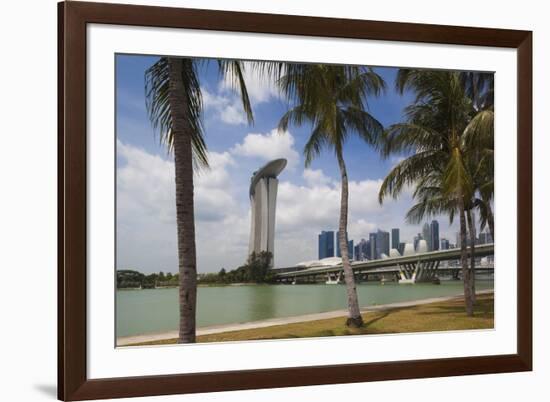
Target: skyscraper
[[263, 198], [382, 243], [434, 235], [426, 235], [367, 251], [445, 245], [326, 244], [395, 238], [372, 241]]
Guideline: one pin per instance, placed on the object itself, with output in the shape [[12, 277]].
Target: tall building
[[367, 251], [434, 235], [326, 244], [445, 245], [426, 235], [372, 248], [382, 243], [263, 197], [395, 238]]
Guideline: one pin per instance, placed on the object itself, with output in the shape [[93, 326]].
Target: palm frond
[[410, 137], [158, 106], [479, 133], [364, 124], [408, 172], [233, 71], [318, 139]]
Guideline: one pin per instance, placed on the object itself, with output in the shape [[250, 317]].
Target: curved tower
[[263, 197]]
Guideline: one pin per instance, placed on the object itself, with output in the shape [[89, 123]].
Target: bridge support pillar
[[418, 272]]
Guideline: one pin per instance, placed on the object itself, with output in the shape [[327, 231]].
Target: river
[[156, 310]]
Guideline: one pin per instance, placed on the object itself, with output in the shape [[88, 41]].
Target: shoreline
[[216, 329]]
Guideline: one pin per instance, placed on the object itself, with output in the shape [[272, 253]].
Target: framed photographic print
[[252, 200]]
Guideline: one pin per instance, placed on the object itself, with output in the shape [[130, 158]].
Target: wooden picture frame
[[73, 382]]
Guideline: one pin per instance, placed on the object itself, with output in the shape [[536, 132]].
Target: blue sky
[[308, 199]]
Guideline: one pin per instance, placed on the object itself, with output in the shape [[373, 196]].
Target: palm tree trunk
[[464, 260], [354, 313], [472, 231], [185, 217]]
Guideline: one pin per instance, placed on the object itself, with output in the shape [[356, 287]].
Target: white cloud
[[146, 213], [269, 146], [142, 184], [227, 107], [315, 177], [217, 174]]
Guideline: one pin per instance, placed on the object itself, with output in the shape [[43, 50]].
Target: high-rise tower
[[426, 235], [326, 244], [395, 238], [263, 197], [434, 235]]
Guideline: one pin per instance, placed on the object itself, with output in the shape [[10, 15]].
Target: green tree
[[441, 158], [174, 104], [257, 266], [127, 278], [479, 139], [222, 274], [333, 99]]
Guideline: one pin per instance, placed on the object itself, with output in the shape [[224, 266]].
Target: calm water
[[156, 310]]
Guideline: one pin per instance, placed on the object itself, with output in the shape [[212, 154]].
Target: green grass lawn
[[443, 316]]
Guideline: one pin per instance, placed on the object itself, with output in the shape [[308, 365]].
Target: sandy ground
[[215, 329]]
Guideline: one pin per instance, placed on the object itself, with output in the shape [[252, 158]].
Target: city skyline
[[378, 242]]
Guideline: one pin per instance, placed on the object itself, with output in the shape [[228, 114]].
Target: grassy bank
[[442, 316]]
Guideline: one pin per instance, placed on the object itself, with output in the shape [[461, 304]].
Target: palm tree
[[479, 139], [438, 163], [479, 142], [333, 99], [174, 104]]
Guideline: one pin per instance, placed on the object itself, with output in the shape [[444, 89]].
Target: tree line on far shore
[[129, 279], [255, 270]]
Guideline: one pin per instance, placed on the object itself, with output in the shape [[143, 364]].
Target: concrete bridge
[[412, 268]]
